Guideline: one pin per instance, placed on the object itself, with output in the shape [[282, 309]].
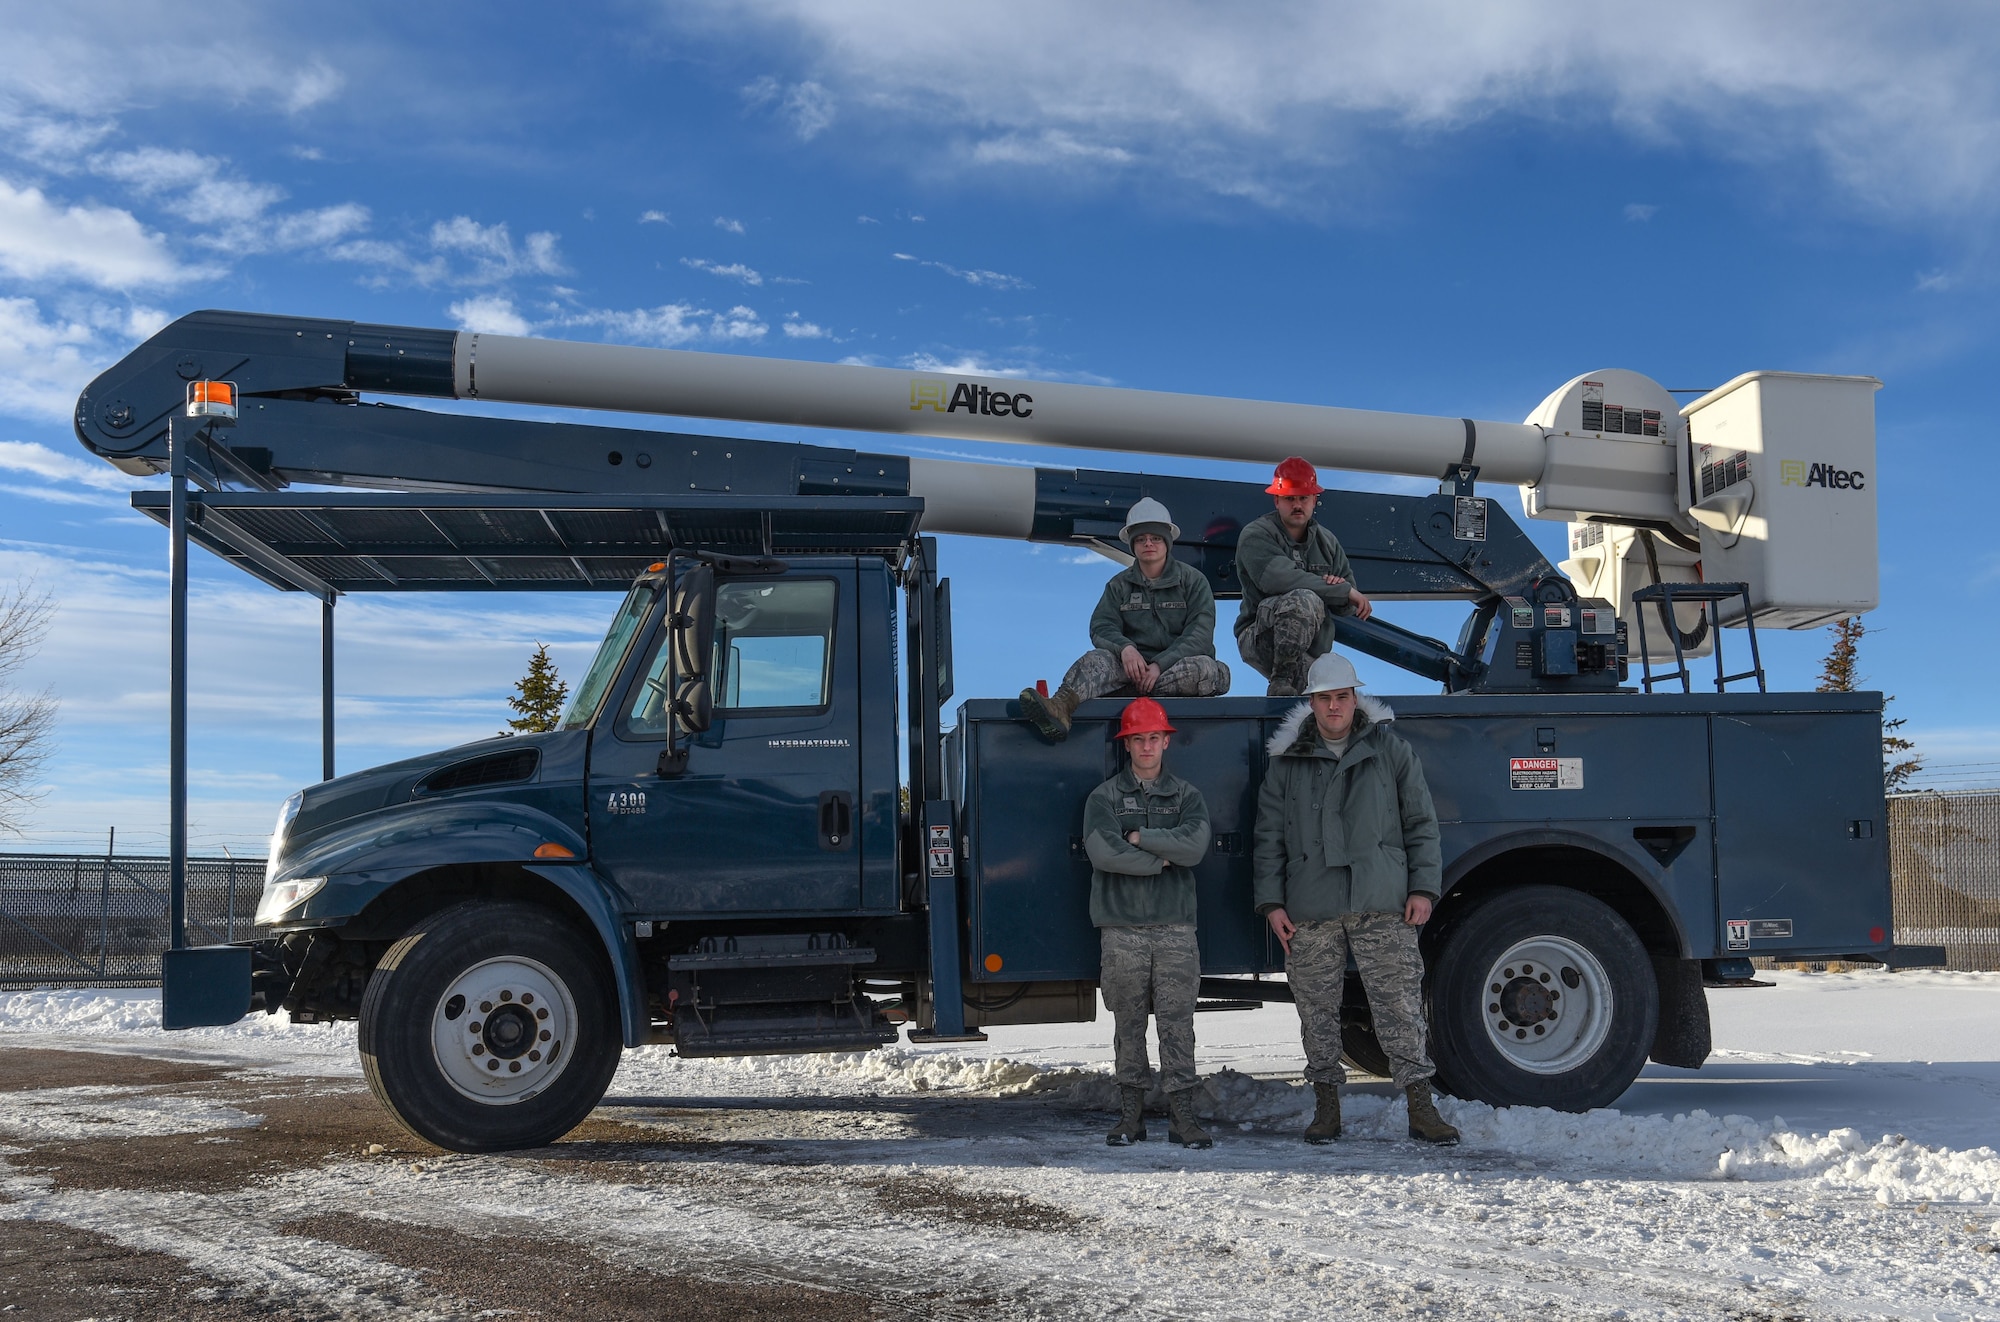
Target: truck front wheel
[[1541, 996], [490, 1027]]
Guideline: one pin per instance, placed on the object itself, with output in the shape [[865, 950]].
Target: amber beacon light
[[212, 399]]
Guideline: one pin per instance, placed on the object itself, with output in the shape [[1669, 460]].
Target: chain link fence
[[101, 919], [1944, 859]]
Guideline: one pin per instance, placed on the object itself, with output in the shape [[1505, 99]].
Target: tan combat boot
[[1050, 715], [1131, 1126], [1182, 1127], [1426, 1125], [1325, 1126]]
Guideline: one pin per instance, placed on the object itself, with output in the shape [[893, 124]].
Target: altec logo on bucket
[[1797, 473], [966, 397]]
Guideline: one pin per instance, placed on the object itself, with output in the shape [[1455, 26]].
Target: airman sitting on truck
[[1152, 634], [1144, 830], [1295, 579]]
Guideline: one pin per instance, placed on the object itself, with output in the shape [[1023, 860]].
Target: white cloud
[[1049, 147], [982, 278], [1935, 282], [203, 191], [670, 324], [807, 105], [103, 246], [47, 360], [964, 365], [804, 330], [730, 226], [489, 314], [40, 461], [1640, 211], [655, 218], [1896, 104], [492, 249], [96, 59], [739, 323], [733, 271]]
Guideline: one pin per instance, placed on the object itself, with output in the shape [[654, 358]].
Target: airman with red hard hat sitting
[[1144, 830], [1295, 579]]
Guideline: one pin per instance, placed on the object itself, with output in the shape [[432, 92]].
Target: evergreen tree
[[538, 695], [1838, 674]]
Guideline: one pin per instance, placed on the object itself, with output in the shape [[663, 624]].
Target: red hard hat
[[1143, 716], [1295, 477]]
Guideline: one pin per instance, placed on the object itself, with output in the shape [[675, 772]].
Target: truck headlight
[[285, 816], [281, 897]]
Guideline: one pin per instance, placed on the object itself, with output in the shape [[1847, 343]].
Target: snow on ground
[[1836, 1158]]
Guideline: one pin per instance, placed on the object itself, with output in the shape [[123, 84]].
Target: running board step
[[782, 1029]]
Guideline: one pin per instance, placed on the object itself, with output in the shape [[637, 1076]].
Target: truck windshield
[[583, 707]]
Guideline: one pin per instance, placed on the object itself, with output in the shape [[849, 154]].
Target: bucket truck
[[723, 849]]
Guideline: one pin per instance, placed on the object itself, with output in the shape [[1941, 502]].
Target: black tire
[[1570, 1054], [408, 1027]]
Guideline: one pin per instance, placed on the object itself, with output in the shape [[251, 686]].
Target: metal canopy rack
[[329, 543]]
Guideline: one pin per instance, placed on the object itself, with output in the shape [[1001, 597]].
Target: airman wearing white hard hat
[[1347, 864], [1149, 516], [1152, 634], [1330, 674]]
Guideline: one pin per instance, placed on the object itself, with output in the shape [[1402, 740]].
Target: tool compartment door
[[765, 818], [1802, 859]]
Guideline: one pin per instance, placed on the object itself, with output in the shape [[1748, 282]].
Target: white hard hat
[[1332, 671], [1148, 511]]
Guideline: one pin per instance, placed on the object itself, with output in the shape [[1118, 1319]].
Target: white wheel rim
[[1547, 1004], [502, 1031]]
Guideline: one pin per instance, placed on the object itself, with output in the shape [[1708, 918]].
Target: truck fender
[[1633, 861], [410, 838], [582, 884]]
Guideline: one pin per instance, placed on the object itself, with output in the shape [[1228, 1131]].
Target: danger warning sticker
[[941, 860], [1545, 773]]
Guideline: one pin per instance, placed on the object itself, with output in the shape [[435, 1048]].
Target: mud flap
[[204, 986], [1682, 1038]]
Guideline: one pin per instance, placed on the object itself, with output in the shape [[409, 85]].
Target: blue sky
[[1452, 210]]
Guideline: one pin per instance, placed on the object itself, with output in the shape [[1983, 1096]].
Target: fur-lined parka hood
[[1370, 712]]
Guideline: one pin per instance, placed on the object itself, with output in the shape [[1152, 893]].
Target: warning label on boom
[[1545, 773]]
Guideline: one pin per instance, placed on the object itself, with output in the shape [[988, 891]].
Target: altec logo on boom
[[1797, 473], [970, 398]]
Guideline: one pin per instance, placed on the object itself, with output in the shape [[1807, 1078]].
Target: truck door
[[763, 819]]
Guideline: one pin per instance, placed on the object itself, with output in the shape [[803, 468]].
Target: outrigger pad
[[204, 986]]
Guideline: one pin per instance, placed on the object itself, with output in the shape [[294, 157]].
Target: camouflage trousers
[[1385, 950], [1099, 673], [1279, 642], [1154, 970]]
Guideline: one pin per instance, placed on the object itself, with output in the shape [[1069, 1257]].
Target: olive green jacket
[[1269, 563], [1167, 618], [1349, 834], [1153, 881]]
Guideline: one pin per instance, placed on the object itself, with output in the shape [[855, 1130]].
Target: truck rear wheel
[[1541, 996], [492, 1026]]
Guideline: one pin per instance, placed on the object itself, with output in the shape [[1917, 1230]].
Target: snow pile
[[1894, 1169], [104, 1112], [130, 1019], [890, 1070]]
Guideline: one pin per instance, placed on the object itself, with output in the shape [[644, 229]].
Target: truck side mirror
[[693, 625]]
